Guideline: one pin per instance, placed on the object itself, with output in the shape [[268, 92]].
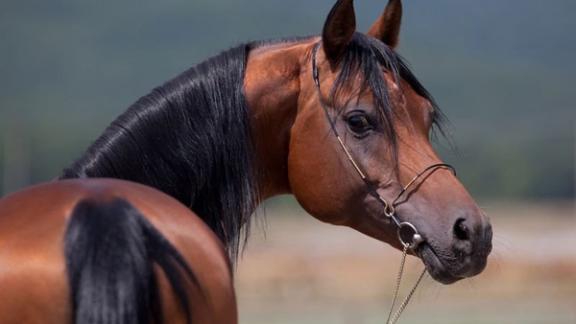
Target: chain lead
[[393, 319], [398, 281], [407, 299]]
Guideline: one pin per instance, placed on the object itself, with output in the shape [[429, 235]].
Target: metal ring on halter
[[409, 236]]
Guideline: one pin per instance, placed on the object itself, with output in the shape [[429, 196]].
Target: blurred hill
[[503, 71]]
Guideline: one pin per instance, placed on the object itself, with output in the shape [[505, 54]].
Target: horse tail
[[110, 251]]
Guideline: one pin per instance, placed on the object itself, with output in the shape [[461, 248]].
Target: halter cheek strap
[[408, 234]]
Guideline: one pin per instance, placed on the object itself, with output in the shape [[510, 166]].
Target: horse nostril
[[461, 231]]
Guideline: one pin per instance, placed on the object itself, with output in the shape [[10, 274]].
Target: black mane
[[190, 137]]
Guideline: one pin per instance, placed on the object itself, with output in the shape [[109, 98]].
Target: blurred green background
[[502, 70]]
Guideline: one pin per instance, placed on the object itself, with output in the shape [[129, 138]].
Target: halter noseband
[[407, 233]]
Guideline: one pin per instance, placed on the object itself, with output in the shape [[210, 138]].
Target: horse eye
[[359, 123]]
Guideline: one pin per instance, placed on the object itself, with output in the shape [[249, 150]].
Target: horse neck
[[272, 88]]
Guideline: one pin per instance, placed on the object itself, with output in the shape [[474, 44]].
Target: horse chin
[[434, 265]]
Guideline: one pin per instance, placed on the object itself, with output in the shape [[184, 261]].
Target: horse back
[[33, 278]]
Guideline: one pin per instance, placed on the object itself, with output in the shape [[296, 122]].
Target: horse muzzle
[[465, 256]]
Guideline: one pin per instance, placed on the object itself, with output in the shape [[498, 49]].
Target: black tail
[[110, 252]]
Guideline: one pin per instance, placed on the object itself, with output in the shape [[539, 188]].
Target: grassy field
[[303, 271]]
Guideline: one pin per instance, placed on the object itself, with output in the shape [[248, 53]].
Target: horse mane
[[190, 137]]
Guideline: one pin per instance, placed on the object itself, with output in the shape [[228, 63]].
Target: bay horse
[[146, 225]]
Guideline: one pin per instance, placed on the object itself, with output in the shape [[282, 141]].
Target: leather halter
[[408, 234]]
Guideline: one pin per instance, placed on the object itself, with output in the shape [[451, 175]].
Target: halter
[[408, 234]]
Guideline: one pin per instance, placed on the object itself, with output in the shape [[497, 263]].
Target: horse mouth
[[434, 265]]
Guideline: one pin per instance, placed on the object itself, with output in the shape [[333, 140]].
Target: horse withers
[[146, 225]]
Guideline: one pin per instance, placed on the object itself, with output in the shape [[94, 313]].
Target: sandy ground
[[304, 271]]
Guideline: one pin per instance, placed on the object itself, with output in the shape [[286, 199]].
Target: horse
[[146, 226]]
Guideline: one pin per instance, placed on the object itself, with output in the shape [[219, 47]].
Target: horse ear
[[338, 29], [387, 27]]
